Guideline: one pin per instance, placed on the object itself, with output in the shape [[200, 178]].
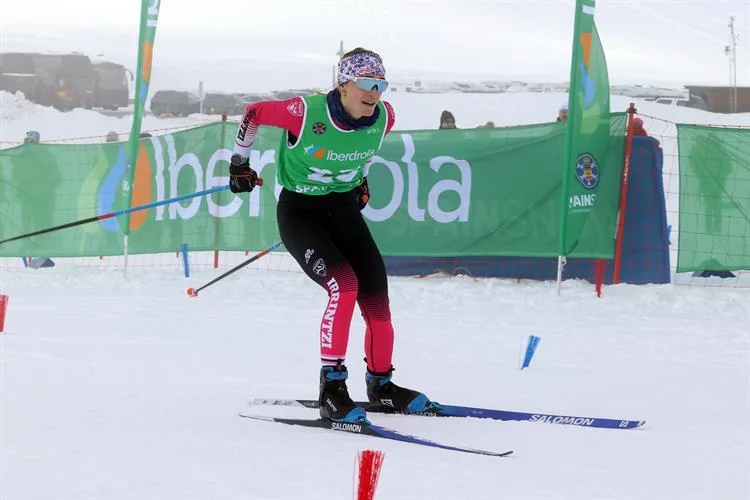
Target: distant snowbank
[[413, 112], [17, 115]]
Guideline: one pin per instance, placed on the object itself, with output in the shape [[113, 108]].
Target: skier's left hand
[[363, 194]]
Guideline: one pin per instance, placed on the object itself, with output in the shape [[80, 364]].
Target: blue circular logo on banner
[[587, 170]]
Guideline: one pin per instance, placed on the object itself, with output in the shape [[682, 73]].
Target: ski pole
[[193, 292], [118, 213]]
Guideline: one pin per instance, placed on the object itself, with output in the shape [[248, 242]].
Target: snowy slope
[[116, 389]]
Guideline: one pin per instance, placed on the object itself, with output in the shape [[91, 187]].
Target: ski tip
[[628, 424], [498, 454], [295, 403], [273, 402], [256, 417]]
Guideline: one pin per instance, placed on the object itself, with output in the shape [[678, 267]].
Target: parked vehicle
[[35, 75], [283, 95], [17, 73], [65, 81], [693, 101], [111, 90], [174, 103], [78, 79], [248, 97], [218, 103], [50, 89]]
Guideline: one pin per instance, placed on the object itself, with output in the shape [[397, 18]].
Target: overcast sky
[[248, 44]]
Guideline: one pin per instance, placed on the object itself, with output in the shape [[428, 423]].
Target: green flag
[[591, 171], [136, 156]]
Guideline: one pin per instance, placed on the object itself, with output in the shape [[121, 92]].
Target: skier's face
[[360, 98]]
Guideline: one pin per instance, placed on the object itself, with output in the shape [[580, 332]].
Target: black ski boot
[[335, 403], [382, 392]]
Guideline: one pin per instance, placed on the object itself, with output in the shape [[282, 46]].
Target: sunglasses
[[367, 84]]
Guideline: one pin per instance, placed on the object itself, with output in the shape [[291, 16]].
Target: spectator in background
[[562, 113], [32, 137], [36, 181], [447, 120], [112, 136], [489, 124], [638, 129], [144, 135]]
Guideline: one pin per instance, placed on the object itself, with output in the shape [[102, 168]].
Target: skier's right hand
[[242, 178]]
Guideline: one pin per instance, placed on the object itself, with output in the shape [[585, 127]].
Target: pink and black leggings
[[330, 240]]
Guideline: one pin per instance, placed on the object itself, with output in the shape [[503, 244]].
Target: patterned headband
[[360, 65]]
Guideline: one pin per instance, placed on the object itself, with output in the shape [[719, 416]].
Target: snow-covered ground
[[121, 389]]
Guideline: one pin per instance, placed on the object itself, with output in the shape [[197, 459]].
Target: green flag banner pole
[[146, 37], [588, 132]]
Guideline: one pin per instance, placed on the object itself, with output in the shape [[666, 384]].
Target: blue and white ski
[[369, 429], [441, 410]]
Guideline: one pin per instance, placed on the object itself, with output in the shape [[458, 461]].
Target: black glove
[[242, 178], [363, 194]]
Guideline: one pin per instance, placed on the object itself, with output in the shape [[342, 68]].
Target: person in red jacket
[[638, 129]]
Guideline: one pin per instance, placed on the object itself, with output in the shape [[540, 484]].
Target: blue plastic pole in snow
[[185, 262], [530, 350]]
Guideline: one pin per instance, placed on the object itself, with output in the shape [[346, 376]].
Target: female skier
[[328, 140]]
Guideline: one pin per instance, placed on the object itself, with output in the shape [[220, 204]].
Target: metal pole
[[125, 254], [200, 96], [731, 51], [340, 53]]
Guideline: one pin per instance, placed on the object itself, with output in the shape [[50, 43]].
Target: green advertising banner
[[485, 192], [589, 170], [714, 232], [434, 193]]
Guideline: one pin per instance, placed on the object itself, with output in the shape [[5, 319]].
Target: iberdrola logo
[[592, 89], [105, 183], [588, 85], [316, 151]]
